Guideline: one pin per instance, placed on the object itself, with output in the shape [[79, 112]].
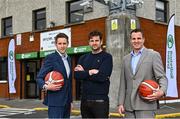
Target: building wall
[[148, 5], [155, 38], [177, 12], [21, 10], [79, 37], [148, 10], [22, 23]]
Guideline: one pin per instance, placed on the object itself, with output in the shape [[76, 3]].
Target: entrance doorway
[[31, 68]]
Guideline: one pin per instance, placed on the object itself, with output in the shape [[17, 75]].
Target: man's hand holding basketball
[[155, 96], [53, 87]]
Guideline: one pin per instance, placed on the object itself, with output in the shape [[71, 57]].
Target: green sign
[[27, 55], [45, 53], [71, 50], [170, 41], [11, 55], [77, 50]]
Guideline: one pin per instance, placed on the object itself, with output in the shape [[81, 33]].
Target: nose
[[136, 40]]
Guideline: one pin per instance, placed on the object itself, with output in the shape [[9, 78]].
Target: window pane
[[40, 19], [40, 15], [160, 5], [161, 10], [76, 16], [160, 16], [41, 24], [8, 30], [6, 26], [76, 11], [8, 22], [76, 6]]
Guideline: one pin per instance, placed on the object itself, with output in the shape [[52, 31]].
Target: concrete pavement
[[169, 110]]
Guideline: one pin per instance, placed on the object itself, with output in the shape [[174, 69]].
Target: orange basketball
[[54, 77], [147, 87]]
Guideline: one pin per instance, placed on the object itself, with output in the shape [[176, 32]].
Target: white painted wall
[[21, 10]]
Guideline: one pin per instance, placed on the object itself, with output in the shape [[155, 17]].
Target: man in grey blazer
[[139, 65]]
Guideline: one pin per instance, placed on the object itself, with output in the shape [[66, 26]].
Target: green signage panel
[[71, 50], [27, 55], [45, 53], [80, 49]]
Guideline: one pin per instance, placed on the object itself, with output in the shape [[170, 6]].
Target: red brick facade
[[155, 34]]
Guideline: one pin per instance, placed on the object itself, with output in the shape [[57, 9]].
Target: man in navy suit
[[58, 98]]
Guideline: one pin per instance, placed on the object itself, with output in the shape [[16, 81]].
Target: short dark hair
[[137, 30], [61, 35], [95, 33]]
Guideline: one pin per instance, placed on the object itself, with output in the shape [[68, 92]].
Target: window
[[161, 10], [7, 26], [39, 19], [3, 69], [76, 11]]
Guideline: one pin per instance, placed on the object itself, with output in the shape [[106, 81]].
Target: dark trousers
[[59, 111], [95, 109]]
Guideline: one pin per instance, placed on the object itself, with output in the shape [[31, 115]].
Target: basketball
[[54, 77], [147, 87]]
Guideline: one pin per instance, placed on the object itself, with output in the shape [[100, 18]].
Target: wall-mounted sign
[[80, 49], [45, 53], [133, 24], [47, 41], [27, 55], [18, 39], [72, 50], [114, 24]]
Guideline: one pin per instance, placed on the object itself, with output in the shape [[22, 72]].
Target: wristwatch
[[44, 87]]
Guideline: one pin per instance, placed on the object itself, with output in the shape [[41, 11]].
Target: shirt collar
[[62, 55], [139, 52]]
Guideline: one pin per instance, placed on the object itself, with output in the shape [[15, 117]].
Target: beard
[[96, 49]]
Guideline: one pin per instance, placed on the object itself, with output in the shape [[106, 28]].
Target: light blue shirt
[[135, 59], [65, 61]]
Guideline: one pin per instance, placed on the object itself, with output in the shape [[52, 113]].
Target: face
[[95, 43], [137, 41], [61, 45]]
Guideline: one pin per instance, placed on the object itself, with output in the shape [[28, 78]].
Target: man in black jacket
[[94, 69]]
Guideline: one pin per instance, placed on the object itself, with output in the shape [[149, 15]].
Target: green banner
[[71, 50], [27, 55], [45, 53], [77, 50]]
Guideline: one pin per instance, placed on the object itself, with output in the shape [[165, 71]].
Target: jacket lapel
[[69, 62], [141, 60], [129, 64]]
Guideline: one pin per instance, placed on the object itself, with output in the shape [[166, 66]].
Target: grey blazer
[[149, 67]]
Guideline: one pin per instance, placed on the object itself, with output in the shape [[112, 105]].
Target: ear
[[143, 39], [89, 42]]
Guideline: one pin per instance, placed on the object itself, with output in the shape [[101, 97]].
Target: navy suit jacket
[[54, 62]]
